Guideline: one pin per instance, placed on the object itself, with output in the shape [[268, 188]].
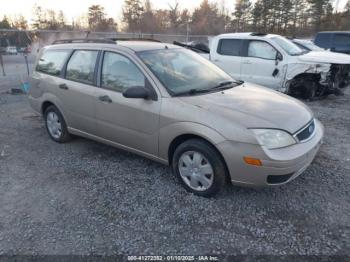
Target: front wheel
[[309, 89], [199, 167]]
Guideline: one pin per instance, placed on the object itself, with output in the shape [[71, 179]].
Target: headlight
[[273, 138]]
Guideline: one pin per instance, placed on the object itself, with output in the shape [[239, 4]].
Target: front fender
[[168, 133], [297, 69]]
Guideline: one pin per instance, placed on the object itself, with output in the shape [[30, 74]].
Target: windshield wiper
[[226, 85], [191, 92], [221, 86]]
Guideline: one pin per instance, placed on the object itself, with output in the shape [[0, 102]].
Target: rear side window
[[230, 47], [81, 66], [52, 61], [119, 73], [342, 39], [323, 40]]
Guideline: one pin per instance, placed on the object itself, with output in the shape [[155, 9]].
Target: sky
[[75, 8]]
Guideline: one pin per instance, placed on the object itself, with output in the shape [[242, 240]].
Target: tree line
[[288, 17]]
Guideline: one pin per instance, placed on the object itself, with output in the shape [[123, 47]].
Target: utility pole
[[187, 31]]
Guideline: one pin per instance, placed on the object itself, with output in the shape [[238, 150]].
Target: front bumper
[[279, 166]]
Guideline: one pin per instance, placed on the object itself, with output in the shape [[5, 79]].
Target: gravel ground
[[87, 198]]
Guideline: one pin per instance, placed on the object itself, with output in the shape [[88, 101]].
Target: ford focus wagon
[[171, 105]]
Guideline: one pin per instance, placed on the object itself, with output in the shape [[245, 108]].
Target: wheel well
[[176, 142], [182, 138], [297, 84], [305, 76], [45, 105]]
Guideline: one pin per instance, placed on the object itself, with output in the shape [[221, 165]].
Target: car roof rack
[[135, 39], [258, 34], [84, 40], [196, 49]]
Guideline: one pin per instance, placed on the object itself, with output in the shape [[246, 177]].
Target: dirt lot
[[88, 198]]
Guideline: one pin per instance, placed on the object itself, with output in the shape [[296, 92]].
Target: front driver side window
[[119, 73], [261, 49]]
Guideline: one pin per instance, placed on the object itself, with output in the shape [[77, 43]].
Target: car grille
[[307, 132]]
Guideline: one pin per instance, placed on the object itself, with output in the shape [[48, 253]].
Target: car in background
[[24, 50], [276, 62], [11, 50], [336, 41], [172, 105], [307, 45]]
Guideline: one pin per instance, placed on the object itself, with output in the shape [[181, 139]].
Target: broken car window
[[261, 49]]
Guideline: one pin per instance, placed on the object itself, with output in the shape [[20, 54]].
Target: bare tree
[[174, 17], [19, 22]]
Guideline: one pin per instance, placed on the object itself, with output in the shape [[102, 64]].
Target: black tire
[[213, 157], [64, 136], [309, 89]]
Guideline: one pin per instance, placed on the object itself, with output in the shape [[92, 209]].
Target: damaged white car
[[276, 62]]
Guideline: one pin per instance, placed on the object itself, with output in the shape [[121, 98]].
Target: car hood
[[253, 106], [325, 57]]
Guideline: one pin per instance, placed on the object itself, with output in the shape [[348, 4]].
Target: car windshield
[[182, 71], [311, 46], [288, 46]]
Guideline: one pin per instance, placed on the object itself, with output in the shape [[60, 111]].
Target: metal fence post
[[26, 60], [2, 65]]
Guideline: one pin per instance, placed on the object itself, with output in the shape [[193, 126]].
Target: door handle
[[63, 86], [106, 99], [216, 60], [247, 62]]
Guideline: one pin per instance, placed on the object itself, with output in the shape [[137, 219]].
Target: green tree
[[319, 10], [206, 19], [98, 21], [96, 15], [242, 15], [262, 15], [5, 23], [132, 14]]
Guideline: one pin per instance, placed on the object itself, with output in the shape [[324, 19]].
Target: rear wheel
[[199, 167], [55, 125]]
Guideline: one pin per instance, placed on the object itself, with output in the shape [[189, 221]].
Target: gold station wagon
[[171, 105]]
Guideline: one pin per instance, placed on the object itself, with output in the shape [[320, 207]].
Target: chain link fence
[[18, 48]]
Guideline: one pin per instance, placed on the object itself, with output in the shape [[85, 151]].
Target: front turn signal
[[252, 161]]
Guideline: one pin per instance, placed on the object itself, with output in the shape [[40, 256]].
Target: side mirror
[[137, 92], [279, 57]]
